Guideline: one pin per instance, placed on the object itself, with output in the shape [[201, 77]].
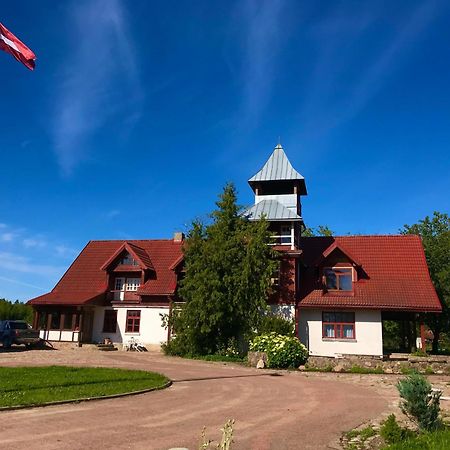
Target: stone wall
[[398, 364]]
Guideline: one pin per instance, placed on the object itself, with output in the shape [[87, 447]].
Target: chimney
[[178, 236]]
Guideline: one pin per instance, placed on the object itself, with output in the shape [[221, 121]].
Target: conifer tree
[[229, 266]]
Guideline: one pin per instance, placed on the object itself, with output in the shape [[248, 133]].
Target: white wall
[[368, 331], [150, 330], [285, 311], [56, 335]]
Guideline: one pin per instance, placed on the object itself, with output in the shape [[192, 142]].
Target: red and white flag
[[10, 44]]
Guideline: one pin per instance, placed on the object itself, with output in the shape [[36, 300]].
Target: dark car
[[17, 332]]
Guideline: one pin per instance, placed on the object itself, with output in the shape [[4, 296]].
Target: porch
[[64, 323]]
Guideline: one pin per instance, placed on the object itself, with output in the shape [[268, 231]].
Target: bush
[[175, 347], [392, 432], [276, 324], [283, 352], [420, 402]]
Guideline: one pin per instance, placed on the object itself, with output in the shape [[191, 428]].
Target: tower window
[[285, 234]]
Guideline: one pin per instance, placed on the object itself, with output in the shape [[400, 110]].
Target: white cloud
[[7, 237], [21, 283], [100, 79], [34, 243], [262, 24], [64, 251], [22, 264], [327, 104]]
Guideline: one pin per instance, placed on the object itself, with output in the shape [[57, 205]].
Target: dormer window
[[128, 260], [338, 278], [123, 284]]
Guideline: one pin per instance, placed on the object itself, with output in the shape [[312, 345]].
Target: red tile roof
[[86, 282], [394, 274]]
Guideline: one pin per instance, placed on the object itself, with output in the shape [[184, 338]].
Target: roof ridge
[[414, 236], [132, 240]]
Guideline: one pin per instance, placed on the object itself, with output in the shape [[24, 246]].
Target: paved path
[[291, 411]]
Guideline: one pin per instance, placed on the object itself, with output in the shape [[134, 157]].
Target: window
[[120, 283], [338, 279], [127, 284], [55, 324], [67, 324], [133, 284], [128, 260], [133, 321], [285, 234], [338, 325], [110, 321]]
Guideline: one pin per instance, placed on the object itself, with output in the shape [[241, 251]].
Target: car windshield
[[18, 325]]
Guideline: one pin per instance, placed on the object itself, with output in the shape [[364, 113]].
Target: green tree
[[229, 266], [435, 234], [15, 310], [321, 230]]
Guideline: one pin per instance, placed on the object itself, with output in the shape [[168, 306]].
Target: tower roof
[[277, 168], [272, 210]]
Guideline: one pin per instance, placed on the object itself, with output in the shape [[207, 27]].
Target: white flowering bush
[[283, 352]]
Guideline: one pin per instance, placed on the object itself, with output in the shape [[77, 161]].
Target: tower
[[278, 187]]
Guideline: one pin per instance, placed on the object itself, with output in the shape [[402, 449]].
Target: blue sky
[[138, 112]]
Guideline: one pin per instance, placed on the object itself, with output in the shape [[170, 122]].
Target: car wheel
[[7, 343]]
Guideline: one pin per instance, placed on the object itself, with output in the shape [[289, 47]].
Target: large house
[[338, 290]]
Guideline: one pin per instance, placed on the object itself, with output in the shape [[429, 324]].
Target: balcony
[[122, 296]]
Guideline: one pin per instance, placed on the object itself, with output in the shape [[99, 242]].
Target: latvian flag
[[10, 44]]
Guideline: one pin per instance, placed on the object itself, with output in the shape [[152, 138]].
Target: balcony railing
[[117, 296], [281, 239]]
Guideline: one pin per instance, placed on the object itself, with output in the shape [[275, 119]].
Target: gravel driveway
[[291, 411]]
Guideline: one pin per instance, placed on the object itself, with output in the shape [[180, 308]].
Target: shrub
[[392, 432], [420, 402], [175, 347], [282, 351], [276, 324]]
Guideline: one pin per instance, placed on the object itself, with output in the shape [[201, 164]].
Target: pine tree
[[228, 266]]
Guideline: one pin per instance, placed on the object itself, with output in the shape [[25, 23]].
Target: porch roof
[[61, 299]]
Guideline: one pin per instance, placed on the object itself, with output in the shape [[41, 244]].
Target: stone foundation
[[398, 364], [254, 357]]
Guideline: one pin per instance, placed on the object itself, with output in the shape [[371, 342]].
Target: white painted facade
[[285, 311], [368, 335], [151, 330], [56, 335]]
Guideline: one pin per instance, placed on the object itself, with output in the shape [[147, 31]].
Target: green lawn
[[439, 440], [37, 385]]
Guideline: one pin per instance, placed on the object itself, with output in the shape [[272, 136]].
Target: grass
[[353, 369], [37, 385], [221, 358], [438, 440], [362, 434]]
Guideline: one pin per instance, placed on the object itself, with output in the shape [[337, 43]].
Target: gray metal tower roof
[[277, 168], [272, 210]]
